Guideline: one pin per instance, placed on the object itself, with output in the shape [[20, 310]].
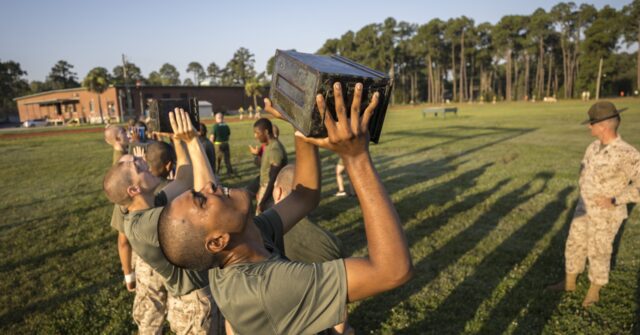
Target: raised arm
[[389, 262], [202, 171], [305, 194]]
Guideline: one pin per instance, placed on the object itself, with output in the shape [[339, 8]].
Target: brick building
[[84, 106]]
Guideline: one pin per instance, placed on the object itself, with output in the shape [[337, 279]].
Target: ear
[[215, 244], [277, 193], [133, 190]]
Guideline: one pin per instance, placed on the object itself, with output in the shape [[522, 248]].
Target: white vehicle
[[35, 123]]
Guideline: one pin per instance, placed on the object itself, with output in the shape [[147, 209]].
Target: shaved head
[[183, 243], [285, 179], [116, 182]]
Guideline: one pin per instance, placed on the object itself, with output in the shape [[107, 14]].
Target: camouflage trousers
[[591, 237], [150, 303], [193, 313]]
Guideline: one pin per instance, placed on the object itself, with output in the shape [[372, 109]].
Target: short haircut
[[614, 123], [158, 155], [116, 182], [111, 133], [203, 130], [264, 124], [285, 179], [182, 242]]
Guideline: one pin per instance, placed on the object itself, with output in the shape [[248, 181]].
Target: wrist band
[[130, 278]]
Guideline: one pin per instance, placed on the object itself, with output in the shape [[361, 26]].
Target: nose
[[210, 187]]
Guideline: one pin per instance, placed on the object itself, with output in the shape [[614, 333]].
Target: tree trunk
[[638, 60], [453, 71], [526, 76], [100, 108], [255, 102], [565, 67], [470, 80], [516, 80], [431, 82], [462, 68], [508, 75], [549, 76], [540, 70]]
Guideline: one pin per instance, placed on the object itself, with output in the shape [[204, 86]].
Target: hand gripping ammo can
[[299, 77]]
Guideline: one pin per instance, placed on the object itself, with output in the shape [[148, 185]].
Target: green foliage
[[97, 80], [169, 75], [12, 85], [62, 76], [239, 69], [134, 75], [214, 72], [198, 72], [485, 199]]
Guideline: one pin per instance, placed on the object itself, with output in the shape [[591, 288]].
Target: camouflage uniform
[[150, 303], [611, 171], [195, 313]]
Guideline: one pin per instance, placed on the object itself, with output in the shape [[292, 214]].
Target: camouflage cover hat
[[602, 110]]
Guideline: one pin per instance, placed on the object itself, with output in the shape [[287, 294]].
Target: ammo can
[[299, 77]]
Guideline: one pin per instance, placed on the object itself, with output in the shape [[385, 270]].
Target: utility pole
[[598, 81], [126, 87]]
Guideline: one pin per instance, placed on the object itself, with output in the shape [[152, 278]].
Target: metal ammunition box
[[159, 113], [299, 77]]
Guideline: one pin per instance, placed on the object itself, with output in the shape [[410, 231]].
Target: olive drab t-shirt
[[274, 154], [307, 242], [141, 229], [117, 216], [277, 296]]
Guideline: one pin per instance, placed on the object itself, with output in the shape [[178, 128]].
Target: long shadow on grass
[[529, 292], [39, 259], [461, 305], [400, 177], [440, 259], [17, 315]]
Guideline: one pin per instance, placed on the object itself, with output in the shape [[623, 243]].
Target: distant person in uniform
[[609, 180], [241, 112], [274, 158], [220, 137], [340, 180], [250, 109]]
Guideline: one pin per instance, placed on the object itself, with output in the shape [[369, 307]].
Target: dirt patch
[[44, 133]]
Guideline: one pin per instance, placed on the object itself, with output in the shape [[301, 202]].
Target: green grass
[[485, 197]]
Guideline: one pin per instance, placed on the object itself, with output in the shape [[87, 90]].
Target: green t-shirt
[[307, 242], [274, 154], [141, 229], [117, 216], [117, 154], [277, 296], [221, 132]]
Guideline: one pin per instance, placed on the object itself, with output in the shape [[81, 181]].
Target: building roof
[[49, 92], [53, 101]]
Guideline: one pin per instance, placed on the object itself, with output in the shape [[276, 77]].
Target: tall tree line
[[520, 57]]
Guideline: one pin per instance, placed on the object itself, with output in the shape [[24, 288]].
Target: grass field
[[486, 199]]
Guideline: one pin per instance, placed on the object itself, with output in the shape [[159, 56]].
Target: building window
[[184, 96], [148, 96], [166, 95], [111, 108], [91, 106]]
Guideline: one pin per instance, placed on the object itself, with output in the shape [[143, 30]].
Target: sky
[[88, 33]]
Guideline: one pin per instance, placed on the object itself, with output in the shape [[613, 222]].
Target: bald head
[[116, 182], [182, 242], [115, 136], [284, 183]]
